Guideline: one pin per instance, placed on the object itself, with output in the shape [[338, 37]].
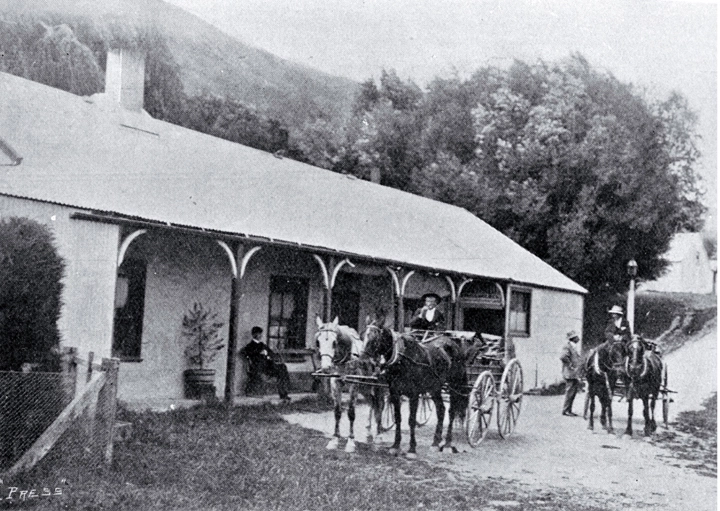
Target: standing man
[[261, 360], [570, 359], [618, 328], [428, 317]]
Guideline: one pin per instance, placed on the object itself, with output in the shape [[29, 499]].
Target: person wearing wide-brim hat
[[570, 359], [618, 328], [428, 317]]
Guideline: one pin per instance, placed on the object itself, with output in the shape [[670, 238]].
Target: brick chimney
[[125, 78]]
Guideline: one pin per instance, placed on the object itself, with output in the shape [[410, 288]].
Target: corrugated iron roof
[[89, 154]]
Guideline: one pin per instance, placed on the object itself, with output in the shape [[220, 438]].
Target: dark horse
[[339, 347], [602, 367], [413, 368], [643, 368]]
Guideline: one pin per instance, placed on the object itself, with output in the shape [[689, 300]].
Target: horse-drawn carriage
[[494, 383], [632, 370], [479, 378]]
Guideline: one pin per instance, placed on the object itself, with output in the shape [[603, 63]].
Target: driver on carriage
[[428, 317], [618, 328]]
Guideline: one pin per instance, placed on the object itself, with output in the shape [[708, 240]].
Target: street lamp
[[632, 273]]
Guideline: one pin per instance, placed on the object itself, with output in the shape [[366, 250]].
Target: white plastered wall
[[89, 250], [552, 315]]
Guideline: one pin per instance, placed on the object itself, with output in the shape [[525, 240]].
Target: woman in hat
[[618, 328], [428, 317]]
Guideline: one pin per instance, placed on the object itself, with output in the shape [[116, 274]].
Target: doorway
[[486, 321], [346, 299]]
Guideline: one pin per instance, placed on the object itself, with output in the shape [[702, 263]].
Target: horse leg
[[350, 446], [455, 410], [395, 403], [610, 428], [646, 415], [653, 400], [371, 416], [440, 414], [336, 392], [591, 398], [630, 399], [377, 402], [412, 421]]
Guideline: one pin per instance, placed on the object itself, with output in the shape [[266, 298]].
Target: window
[[288, 313], [519, 312], [129, 310]]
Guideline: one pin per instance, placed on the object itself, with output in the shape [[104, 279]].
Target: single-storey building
[[151, 217], [689, 270]]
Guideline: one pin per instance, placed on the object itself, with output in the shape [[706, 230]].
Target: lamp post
[[632, 273]]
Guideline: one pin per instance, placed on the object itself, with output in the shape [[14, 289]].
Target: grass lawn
[[248, 458]]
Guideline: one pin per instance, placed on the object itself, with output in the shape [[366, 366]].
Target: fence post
[[108, 404], [68, 366], [91, 355]]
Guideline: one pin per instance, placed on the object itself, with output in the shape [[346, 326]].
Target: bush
[[31, 273]]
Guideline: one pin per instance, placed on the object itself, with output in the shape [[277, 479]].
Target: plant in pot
[[201, 331]]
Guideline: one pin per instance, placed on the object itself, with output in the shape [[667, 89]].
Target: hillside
[[209, 60]]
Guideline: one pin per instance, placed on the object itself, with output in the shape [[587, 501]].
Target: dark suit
[[261, 361], [420, 322], [623, 331]]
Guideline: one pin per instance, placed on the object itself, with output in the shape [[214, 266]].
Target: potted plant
[[200, 329]]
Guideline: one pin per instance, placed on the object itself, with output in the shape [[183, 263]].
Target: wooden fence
[[91, 412]]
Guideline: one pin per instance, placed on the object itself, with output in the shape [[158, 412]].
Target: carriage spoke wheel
[[509, 398], [665, 397], [387, 417], [425, 409], [480, 408]]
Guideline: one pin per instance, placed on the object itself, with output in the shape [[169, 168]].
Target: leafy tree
[[232, 120], [31, 273], [383, 136], [581, 170]]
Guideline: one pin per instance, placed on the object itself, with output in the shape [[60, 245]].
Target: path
[[548, 450]]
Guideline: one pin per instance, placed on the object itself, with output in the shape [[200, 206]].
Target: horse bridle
[[380, 330], [637, 342], [332, 358]]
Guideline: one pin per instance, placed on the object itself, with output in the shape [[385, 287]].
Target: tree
[[583, 171], [383, 136], [31, 273]]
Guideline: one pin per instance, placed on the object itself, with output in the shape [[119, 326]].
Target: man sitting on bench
[[261, 360]]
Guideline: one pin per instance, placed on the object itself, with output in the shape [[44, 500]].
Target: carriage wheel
[[510, 398], [480, 408], [387, 417], [425, 409], [665, 397]]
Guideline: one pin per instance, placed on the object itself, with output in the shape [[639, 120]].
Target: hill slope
[[210, 60]]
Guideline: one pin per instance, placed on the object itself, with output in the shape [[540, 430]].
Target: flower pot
[[199, 383]]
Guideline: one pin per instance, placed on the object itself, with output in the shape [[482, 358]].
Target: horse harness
[[346, 357]]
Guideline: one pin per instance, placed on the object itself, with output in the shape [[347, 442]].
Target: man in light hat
[[570, 359], [618, 328], [428, 317]]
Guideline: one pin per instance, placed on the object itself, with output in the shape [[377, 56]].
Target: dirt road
[[548, 450]]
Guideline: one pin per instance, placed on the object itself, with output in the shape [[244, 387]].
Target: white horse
[[340, 347]]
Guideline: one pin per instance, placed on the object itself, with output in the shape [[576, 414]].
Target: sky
[[658, 45]]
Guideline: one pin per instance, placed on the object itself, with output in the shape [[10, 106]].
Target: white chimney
[[125, 77]]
